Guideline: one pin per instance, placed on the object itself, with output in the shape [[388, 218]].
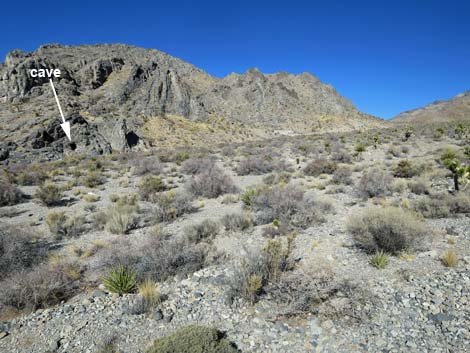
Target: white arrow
[[65, 124]]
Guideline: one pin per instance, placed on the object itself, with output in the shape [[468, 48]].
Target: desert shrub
[[148, 292], [319, 166], [419, 186], [406, 169], [155, 258], [341, 156], [45, 285], [194, 166], [277, 178], [18, 249], [237, 221], [148, 165], [259, 268], [149, 186], [211, 183], [49, 194], [9, 194], [257, 165], [194, 339], [171, 205], [120, 280], [342, 175], [93, 179], [459, 202], [289, 205], [388, 229], [60, 225], [120, 219], [375, 182], [204, 231], [34, 175], [434, 206]]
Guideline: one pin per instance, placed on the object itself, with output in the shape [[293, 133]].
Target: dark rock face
[[86, 138]]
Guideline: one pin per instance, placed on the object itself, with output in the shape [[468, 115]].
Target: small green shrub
[[49, 194], [120, 280], [194, 339], [248, 196]]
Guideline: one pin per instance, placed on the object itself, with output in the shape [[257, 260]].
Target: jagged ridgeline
[[119, 97]]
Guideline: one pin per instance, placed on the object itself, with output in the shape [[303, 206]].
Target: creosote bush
[[389, 229], [194, 339], [49, 194]]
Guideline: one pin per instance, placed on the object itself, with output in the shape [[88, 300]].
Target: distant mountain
[[111, 92], [455, 109]]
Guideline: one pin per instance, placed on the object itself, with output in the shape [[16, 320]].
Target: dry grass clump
[[211, 183], [93, 179], [61, 225], [120, 219], [9, 194], [49, 194], [375, 182], [389, 229], [450, 258]]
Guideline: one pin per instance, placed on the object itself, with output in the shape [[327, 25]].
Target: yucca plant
[[379, 259], [120, 280]]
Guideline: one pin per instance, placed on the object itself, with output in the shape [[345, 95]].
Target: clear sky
[[386, 56]]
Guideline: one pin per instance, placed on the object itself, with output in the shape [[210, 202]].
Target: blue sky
[[386, 56]]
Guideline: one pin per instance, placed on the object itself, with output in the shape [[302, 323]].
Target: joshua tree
[[460, 172]]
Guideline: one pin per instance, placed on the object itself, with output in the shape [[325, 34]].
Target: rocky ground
[[414, 304]]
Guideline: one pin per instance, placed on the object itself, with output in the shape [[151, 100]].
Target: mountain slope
[[455, 109], [147, 93]]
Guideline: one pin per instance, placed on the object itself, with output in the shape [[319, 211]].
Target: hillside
[[455, 109], [118, 96]]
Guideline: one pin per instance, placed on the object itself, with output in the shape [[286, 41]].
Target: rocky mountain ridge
[[103, 84]]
